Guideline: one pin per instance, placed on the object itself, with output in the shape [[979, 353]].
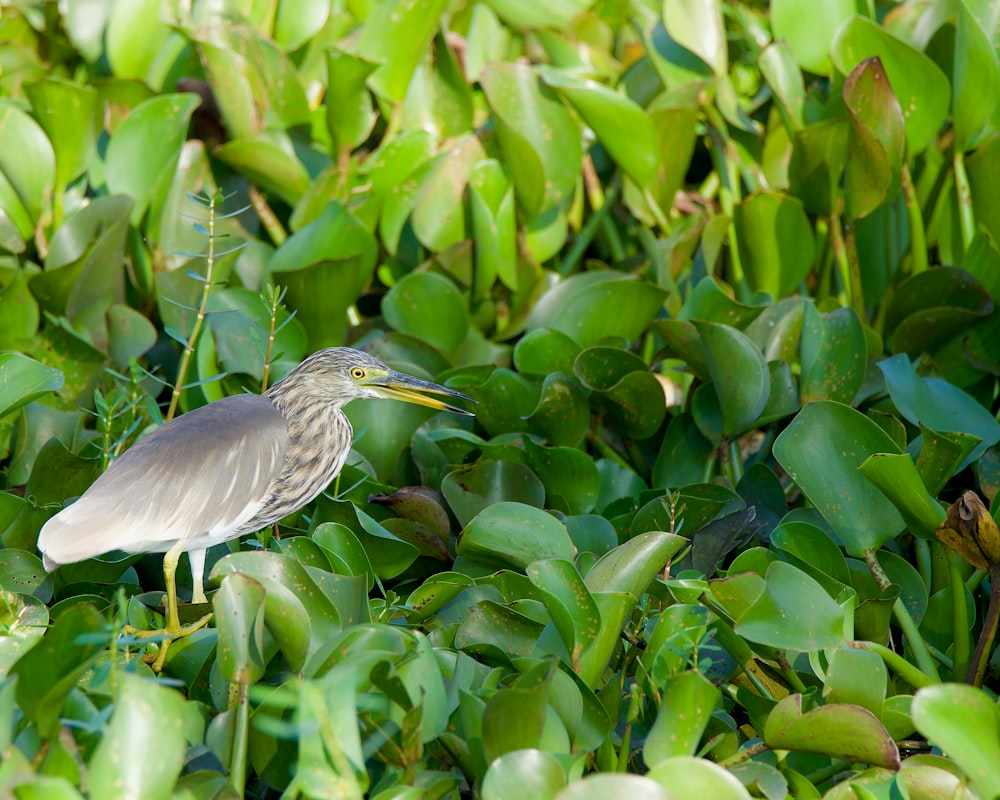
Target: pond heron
[[228, 468]]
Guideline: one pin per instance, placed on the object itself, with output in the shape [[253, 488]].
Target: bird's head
[[341, 374]]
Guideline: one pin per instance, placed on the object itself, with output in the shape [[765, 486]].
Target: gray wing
[[198, 478]]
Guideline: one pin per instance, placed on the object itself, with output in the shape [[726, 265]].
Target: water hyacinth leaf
[[937, 404], [27, 168], [684, 456], [47, 673], [897, 478], [777, 242], [543, 351], [635, 406], [239, 618], [396, 36], [621, 125], [472, 489], [632, 566], [839, 731], [530, 773], [604, 785], [296, 612], [562, 415], [24, 620], [780, 69], [569, 476], [268, 159], [568, 601], [25, 380], [578, 305], [818, 155], [689, 699], [918, 84], [675, 137], [963, 722], [439, 205], [494, 227], [497, 632], [349, 112], [524, 14], [142, 752], [813, 548], [930, 308], [405, 308], [856, 677], [809, 31], [687, 776], [514, 535], [697, 26], [505, 400], [976, 77], [73, 138], [324, 267], [739, 373], [794, 612], [941, 456], [877, 140], [144, 150], [297, 23], [834, 355], [711, 301], [535, 132], [821, 450]]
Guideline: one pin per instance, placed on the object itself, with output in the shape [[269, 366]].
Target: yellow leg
[[173, 630]]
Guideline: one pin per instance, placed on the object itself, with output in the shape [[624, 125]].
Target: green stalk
[[840, 257], [200, 316], [981, 658], [582, 240], [902, 615], [854, 268], [903, 668], [966, 216], [918, 236], [241, 734], [960, 617]]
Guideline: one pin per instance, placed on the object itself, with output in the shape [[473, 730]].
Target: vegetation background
[[721, 276]]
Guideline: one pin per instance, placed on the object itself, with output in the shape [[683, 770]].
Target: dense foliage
[[721, 276]]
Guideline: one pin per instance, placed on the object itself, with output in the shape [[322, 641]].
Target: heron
[[227, 469]]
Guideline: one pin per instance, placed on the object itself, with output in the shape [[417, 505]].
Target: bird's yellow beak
[[400, 386]]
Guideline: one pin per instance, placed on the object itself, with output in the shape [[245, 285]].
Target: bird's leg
[[197, 561], [173, 629]]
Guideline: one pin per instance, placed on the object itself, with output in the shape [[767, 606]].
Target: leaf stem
[[910, 673], [960, 617], [966, 215], [918, 236], [980, 659]]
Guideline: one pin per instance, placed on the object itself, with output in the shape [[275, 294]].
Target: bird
[[228, 468]]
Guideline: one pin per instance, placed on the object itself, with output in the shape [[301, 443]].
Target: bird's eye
[[357, 373]]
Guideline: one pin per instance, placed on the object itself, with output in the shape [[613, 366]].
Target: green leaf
[[268, 159], [963, 722], [689, 699], [23, 380], [697, 26], [604, 785], [514, 535], [142, 752], [349, 112], [920, 87], [687, 776], [840, 731], [143, 153], [976, 77], [877, 141], [568, 601], [48, 672], [396, 36], [66, 113], [528, 773], [821, 451], [937, 404], [809, 30], [777, 243], [494, 227], [898, 479], [406, 308], [794, 613], [537, 136], [739, 373], [439, 205], [239, 617], [834, 355], [27, 168], [621, 125]]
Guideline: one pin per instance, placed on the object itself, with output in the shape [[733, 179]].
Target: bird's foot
[[169, 635]]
